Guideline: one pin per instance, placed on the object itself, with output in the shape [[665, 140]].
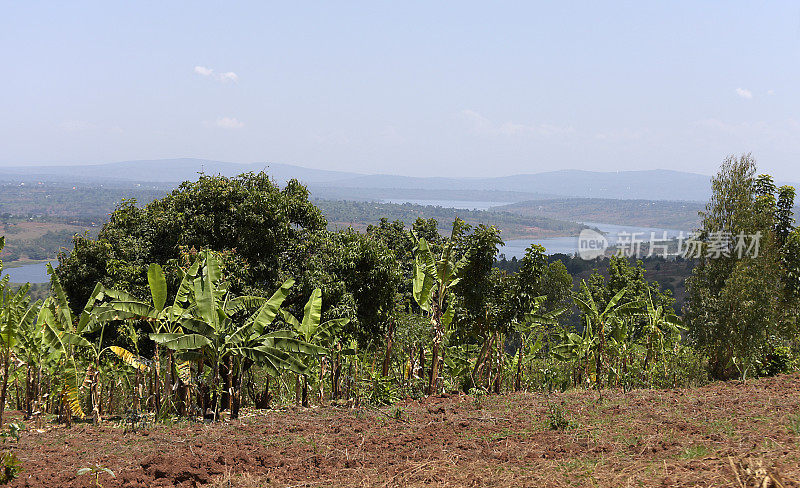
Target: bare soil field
[[725, 434]]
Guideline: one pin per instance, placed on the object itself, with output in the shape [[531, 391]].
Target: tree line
[[232, 292]]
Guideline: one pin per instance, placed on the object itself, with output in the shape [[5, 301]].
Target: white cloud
[[226, 77], [203, 71], [229, 123], [482, 125], [744, 93], [229, 76], [770, 92]]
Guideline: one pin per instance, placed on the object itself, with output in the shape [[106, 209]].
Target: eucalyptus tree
[[738, 301], [434, 279]]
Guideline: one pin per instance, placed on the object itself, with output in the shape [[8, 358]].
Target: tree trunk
[[480, 363], [217, 396], [236, 401], [388, 356], [498, 378], [111, 398], [95, 396], [421, 362], [263, 400], [225, 373], [157, 388], [16, 388], [4, 388], [434, 377], [599, 363], [168, 383], [304, 397], [28, 392], [518, 380]]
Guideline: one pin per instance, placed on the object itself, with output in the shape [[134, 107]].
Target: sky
[[412, 88]]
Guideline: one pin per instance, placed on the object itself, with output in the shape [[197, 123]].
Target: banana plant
[[163, 318], [16, 314], [34, 352], [531, 323], [603, 321], [64, 333], [432, 282], [209, 327], [577, 348], [661, 324], [311, 331]]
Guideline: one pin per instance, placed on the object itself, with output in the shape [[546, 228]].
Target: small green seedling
[[96, 470]]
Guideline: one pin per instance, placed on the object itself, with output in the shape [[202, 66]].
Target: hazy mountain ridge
[[644, 184]]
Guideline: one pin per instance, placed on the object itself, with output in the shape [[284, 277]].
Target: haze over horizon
[[412, 89]]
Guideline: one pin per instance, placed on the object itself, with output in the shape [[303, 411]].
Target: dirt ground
[[725, 434]]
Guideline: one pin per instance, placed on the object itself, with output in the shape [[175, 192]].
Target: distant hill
[[164, 171], [647, 184], [639, 185]]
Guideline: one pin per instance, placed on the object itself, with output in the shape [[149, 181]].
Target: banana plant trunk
[[600, 351], [438, 337], [28, 392], [95, 395], [304, 396], [4, 389], [388, 356], [157, 379], [518, 380]]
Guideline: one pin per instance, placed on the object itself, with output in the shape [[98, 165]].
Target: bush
[[557, 417], [10, 467]]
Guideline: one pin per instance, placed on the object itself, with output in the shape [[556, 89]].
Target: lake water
[[37, 273], [569, 245], [29, 273]]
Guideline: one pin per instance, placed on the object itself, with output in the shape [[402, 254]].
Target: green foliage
[[736, 304], [794, 424], [248, 214], [398, 413], [478, 395], [10, 467], [695, 451], [558, 417], [13, 431], [96, 470]]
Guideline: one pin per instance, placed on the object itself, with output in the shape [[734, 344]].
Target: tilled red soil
[[725, 434]]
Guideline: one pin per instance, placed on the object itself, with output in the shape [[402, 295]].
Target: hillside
[[641, 213], [361, 214]]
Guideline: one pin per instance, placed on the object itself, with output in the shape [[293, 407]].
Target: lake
[[569, 245], [29, 273], [553, 245], [37, 272]]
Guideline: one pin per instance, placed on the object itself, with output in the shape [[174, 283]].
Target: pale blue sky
[[414, 88]]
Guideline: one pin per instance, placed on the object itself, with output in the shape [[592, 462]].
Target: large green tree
[[739, 303], [248, 214]]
